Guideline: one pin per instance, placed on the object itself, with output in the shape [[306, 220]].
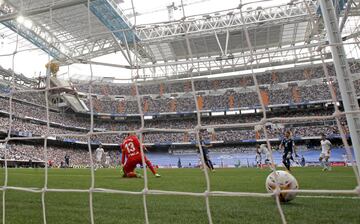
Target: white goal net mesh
[[252, 60]]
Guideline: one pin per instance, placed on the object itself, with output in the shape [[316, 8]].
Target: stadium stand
[[280, 89]]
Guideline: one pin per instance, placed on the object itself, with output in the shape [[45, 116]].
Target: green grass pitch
[[24, 207]]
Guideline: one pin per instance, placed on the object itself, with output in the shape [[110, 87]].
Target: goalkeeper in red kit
[[132, 154]]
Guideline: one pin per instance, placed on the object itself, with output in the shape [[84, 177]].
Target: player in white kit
[[325, 152], [264, 150], [107, 160], [260, 151], [99, 152]]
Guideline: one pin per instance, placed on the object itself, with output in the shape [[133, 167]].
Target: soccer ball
[[286, 181]]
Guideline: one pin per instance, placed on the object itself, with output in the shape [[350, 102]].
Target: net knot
[[198, 127], [258, 127], [145, 191], [206, 193], [357, 189], [263, 121], [319, 48], [337, 113], [12, 91]]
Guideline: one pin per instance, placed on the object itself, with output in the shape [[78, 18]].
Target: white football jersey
[[99, 153], [325, 146], [264, 149], [107, 160]]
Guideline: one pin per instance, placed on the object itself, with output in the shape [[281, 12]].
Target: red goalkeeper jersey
[[130, 148]]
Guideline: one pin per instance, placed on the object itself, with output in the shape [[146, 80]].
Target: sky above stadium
[[31, 63]]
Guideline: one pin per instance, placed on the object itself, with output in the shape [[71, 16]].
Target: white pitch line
[[328, 197]]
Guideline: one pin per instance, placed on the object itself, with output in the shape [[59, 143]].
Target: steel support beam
[[36, 11], [200, 25], [346, 15]]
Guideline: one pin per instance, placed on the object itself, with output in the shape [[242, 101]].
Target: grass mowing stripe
[[66, 207]]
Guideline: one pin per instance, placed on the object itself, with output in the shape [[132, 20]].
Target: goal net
[[189, 85]]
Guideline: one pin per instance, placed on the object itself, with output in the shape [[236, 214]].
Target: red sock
[[131, 174], [148, 163]]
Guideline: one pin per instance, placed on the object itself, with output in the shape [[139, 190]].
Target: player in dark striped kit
[[204, 146], [288, 145]]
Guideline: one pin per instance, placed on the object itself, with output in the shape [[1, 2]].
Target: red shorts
[[131, 163]]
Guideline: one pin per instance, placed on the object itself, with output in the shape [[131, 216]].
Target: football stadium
[[179, 111]]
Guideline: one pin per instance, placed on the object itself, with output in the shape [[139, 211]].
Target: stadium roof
[[280, 32], [222, 33], [64, 33], [287, 32]]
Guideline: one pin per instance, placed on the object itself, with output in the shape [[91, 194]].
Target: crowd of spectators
[[271, 94], [19, 125], [212, 94], [26, 116], [37, 97], [29, 127], [78, 157], [186, 103], [266, 78], [20, 109], [215, 102]]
